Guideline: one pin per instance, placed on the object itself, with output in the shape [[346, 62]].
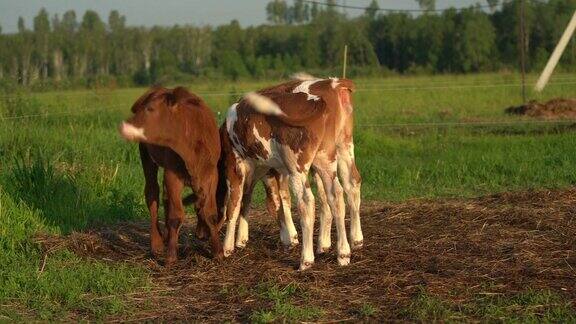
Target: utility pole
[[522, 40], [545, 76]]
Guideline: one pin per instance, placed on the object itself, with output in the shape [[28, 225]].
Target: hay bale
[[556, 108]]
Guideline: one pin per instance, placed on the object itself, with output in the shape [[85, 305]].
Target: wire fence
[[566, 80], [444, 85], [470, 124], [61, 113], [362, 86]]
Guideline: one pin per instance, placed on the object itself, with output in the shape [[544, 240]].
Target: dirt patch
[[454, 249], [553, 109]]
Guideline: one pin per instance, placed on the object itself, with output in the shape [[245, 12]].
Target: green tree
[[372, 9], [42, 42], [116, 22], [21, 25], [493, 4], [69, 22], [277, 12], [92, 36], [298, 13], [427, 5], [314, 11], [67, 54], [331, 7], [24, 49], [477, 43], [117, 56]]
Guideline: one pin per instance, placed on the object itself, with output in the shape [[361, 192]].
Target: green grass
[[366, 310], [70, 171], [526, 307], [66, 286], [282, 308]]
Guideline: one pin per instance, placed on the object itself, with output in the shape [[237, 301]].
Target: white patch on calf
[[131, 133], [231, 119], [231, 230], [266, 143], [324, 162], [290, 159], [351, 150], [304, 87]]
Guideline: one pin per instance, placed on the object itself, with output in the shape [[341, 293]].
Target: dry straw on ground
[[552, 109], [454, 249]]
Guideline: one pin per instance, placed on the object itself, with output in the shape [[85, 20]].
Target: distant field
[[63, 168]]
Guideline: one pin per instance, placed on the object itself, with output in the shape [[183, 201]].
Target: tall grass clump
[[43, 196], [14, 102], [48, 286]]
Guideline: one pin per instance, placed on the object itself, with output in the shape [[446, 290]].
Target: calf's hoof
[[294, 241], [289, 242], [356, 245], [170, 261], [305, 265], [228, 252], [241, 244], [201, 234], [344, 259], [291, 245], [157, 250], [219, 256], [323, 249]]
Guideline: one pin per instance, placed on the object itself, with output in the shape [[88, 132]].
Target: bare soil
[[553, 109], [453, 249]]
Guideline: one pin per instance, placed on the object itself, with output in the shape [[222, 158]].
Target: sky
[[171, 12]]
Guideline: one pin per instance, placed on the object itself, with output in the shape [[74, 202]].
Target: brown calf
[[288, 128], [177, 132]]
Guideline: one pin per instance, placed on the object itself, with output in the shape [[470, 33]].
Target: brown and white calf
[[289, 128], [278, 200], [178, 132]]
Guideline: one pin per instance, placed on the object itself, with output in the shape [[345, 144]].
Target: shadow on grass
[[68, 199]]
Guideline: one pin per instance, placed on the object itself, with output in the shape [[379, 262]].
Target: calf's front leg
[[175, 217], [152, 193]]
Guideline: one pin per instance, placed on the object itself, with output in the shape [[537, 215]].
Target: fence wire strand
[[366, 89], [363, 87]]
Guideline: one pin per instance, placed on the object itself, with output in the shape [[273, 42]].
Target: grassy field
[[63, 168]]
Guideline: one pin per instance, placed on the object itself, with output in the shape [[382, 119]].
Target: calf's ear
[[181, 95], [140, 102]]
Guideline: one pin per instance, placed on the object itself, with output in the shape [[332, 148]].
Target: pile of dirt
[[555, 108], [452, 249]]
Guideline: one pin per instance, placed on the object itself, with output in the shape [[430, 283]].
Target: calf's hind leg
[[290, 235], [236, 176], [351, 181], [279, 204], [324, 232], [242, 236], [335, 198], [305, 201]]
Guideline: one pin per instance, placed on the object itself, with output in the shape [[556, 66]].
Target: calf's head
[[156, 116]]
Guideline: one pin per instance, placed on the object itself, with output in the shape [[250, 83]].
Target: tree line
[[300, 35]]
